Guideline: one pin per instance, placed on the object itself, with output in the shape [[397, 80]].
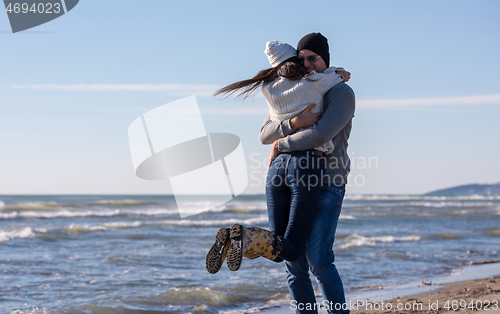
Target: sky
[[426, 76]]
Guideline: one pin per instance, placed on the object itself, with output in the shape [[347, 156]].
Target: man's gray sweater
[[335, 124]]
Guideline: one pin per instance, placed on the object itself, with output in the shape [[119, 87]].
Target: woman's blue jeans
[[292, 192]]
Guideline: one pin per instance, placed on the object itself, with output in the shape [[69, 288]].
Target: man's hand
[[305, 119], [346, 76], [274, 153]]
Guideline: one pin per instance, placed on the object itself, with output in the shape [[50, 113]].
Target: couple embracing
[[308, 125]]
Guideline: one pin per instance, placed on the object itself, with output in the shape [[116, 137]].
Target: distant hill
[[469, 189]]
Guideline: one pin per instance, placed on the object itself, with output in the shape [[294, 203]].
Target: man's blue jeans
[[319, 257]]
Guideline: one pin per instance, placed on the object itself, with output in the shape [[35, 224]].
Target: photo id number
[[35, 8]]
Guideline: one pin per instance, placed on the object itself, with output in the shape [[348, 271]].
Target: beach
[[468, 296], [133, 254]]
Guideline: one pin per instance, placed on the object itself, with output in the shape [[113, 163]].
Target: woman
[[294, 179]]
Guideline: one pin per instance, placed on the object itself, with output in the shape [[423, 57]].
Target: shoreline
[[477, 283], [468, 296]]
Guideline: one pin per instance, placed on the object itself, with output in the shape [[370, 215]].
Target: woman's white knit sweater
[[287, 98]]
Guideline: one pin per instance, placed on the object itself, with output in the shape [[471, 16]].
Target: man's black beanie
[[317, 43]]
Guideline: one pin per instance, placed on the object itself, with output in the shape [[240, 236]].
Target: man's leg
[[320, 256], [320, 248], [299, 284]]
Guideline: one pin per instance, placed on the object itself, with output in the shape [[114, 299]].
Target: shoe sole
[[215, 255], [235, 253]]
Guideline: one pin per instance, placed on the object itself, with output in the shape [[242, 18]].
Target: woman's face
[[318, 65]]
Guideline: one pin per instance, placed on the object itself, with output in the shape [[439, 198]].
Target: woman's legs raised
[[292, 192]]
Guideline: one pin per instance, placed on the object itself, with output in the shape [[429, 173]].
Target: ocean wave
[[425, 204], [65, 213], [282, 302], [202, 298], [50, 206], [493, 233], [124, 202], [396, 255], [231, 206], [245, 210], [188, 296], [96, 309], [209, 300], [35, 206], [261, 220], [151, 212], [77, 229], [446, 236], [362, 208], [55, 205], [25, 232], [87, 213], [421, 197], [382, 197], [450, 204], [58, 214], [194, 207], [355, 240], [347, 217], [9, 215]]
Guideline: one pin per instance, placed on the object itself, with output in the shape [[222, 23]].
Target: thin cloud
[[464, 100], [208, 90], [177, 89], [379, 103]]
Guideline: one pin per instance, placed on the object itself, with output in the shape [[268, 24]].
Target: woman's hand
[[346, 76], [274, 153], [305, 119]]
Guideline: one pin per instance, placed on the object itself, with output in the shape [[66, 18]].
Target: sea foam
[[355, 240], [25, 232]]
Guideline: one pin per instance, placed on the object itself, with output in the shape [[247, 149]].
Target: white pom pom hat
[[277, 52]]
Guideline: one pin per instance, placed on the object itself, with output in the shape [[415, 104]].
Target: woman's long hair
[[292, 68]]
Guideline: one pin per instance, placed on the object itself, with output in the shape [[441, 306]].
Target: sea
[[124, 254]]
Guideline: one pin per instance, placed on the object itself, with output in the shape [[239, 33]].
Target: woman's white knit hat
[[277, 52]]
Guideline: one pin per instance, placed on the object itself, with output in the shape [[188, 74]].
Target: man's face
[[318, 65]]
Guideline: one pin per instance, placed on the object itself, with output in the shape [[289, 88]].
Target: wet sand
[[471, 296]]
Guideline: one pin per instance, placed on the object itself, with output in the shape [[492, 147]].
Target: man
[[335, 124]]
